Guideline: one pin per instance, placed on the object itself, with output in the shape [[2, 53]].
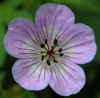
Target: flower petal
[[67, 78], [31, 74], [54, 19], [21, 40], [78, 43]]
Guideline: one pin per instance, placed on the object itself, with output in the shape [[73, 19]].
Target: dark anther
[[60, 50], [45, 41], [61, 54], [42, 58], [55, 61], [55, 42], [42, 45], [48, 62]]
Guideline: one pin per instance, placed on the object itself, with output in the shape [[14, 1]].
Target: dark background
[[86, 11]]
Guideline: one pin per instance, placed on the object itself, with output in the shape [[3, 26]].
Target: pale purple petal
[[67, 78], [21, 39], [31, 74], [78, 43], [54, 19]]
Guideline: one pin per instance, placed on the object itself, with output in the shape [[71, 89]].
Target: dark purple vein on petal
[[25, 67], [30, 36], [53, 24], [76, 36], [61, 74], [39, 65], [59, 71], [30, 65], [31, 53], [45, 71], [42, 28], [59, 31], [80, 44], [25, 49], [54, 74], [66, 71], [67, 52], [46, 27], [63, 32], [31, 32]]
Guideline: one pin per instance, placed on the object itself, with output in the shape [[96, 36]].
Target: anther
[[60, 50], [45, 41], [55, 42], [42, 58], [48, 62], [55, 61], [42, 45], [61, 54]]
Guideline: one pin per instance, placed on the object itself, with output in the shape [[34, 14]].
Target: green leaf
[[91, 5], [28, 94]]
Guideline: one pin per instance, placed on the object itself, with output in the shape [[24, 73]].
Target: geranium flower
[[50, 50]]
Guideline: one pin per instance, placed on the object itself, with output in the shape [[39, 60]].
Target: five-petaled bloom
[[50, 50]]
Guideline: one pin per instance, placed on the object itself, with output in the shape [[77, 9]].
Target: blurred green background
[[86, 11]]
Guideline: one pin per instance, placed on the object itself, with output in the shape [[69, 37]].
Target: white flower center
[[50, 54]]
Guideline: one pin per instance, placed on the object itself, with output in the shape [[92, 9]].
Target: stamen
[[48, 54], [46, 41], [61, 54], [60, 50], [42, 58], [55, 61], [42, 45], [55, 42], [48, 62], [46, 44]]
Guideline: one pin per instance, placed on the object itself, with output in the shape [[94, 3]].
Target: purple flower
[[50, 50]]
